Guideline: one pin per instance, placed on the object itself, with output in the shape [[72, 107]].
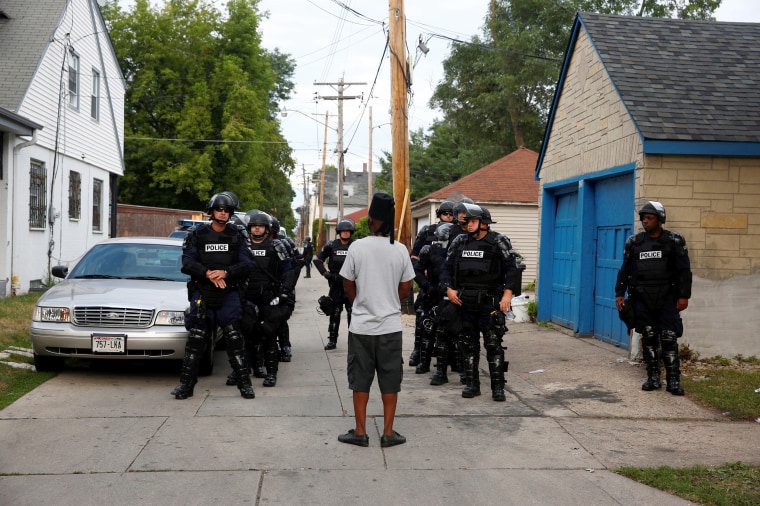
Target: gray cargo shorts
[[370, 354]]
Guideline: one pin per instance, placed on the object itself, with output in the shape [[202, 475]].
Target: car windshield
[[131, 261]]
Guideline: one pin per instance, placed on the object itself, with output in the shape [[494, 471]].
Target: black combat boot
[[242, 378], [426, 356], [441, 361], [188, 376], [672, 373], [414, 357], [272, 360], [672, 362], [472, 387], [259, 371], [286, 354], [332, 330], [652, 359], [496, 368]]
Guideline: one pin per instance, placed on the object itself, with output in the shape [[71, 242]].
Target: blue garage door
[[564, 271], [613, 211]]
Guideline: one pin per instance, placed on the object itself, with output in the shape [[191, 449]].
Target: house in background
[[508, 188], [654, 109], [61, 136]]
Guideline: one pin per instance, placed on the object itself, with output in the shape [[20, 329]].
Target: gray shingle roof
[[24, 34], [683, 80]]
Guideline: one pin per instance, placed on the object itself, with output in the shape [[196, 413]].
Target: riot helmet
[[234, 198], [473, 211], [307, 239], [346, 224], [459, 209], [258, 218], [221, 201], [275, 227], [486, 216], [653, 207], [447, 206]]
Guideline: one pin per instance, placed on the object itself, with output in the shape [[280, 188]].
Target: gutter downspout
[[16, 149]]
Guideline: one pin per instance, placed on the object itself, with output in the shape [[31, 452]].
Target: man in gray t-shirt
[[377, 275]]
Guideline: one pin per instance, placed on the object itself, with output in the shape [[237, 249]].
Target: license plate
[[114, 343]]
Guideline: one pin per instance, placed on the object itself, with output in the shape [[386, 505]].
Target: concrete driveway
[[112, 434]]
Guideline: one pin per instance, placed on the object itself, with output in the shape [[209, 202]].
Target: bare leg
[[360, 411], [389, 412]]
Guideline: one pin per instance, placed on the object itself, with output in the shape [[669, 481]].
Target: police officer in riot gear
[[308, 253], [480, 276], [656, 273], [334, 253], [217, 259], [283, 330], [428, 268], [425, 237], [269, 296]]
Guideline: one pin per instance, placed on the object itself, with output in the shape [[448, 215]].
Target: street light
[[284, 113]]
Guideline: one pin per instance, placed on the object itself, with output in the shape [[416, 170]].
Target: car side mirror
[[60, 271]]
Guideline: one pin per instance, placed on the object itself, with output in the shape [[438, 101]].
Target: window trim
[[73, 68], [97, 205], [38, 191], [95, 96], [75, 195]]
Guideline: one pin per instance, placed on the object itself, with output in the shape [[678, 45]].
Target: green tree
[[200, 106]]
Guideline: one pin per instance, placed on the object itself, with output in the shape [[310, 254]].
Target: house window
[[97, 205], [37, 195], [73, 79], [75, 195], [95, 97]]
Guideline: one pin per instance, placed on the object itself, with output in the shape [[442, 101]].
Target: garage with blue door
[[585, 223]]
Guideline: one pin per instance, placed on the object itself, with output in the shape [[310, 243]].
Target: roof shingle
[[683, 79], [508, 179]]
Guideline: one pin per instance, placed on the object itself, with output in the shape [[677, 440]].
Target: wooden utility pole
[[369, 164], [341, 85], [399, 119], [305, 206], [322, 188]]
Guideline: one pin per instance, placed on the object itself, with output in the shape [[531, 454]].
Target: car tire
[[44, 363], [206, 367]]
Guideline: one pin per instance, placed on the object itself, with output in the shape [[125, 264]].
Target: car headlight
[[51, 314], [170, 318]]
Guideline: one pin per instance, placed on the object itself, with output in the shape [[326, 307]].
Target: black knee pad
[[492, 342], [196, 341], [669, 341], [468, 343]]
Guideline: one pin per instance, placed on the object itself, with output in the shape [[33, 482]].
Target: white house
[[61, 136]]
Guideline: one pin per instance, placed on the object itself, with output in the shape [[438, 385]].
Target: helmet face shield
[[222, 201]]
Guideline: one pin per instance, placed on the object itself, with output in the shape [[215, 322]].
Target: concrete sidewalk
[[112, 434]]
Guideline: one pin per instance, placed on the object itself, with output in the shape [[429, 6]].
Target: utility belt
[[476, 296]]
